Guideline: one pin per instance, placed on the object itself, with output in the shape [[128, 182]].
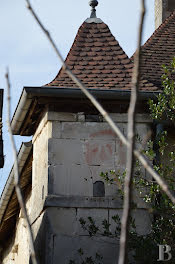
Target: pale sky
[[31, 60]]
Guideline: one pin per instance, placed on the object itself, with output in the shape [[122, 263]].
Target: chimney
[[163, 9]]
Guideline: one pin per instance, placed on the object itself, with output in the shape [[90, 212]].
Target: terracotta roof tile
[[97, 59], [158, 50]]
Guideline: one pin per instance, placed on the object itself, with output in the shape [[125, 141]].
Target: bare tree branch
[[123, 256], [137, 154], [16, 174]]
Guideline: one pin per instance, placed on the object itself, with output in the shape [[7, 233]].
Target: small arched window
[[99, 189]]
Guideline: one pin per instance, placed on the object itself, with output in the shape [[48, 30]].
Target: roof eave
[[29, 93], [23, 155]]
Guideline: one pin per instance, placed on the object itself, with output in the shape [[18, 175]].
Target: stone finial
[[93, 4]]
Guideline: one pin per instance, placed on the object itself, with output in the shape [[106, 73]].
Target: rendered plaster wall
[[18, 250], [40, 168]]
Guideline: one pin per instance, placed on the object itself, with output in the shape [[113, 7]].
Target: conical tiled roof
[[158, 50], [98, 60]]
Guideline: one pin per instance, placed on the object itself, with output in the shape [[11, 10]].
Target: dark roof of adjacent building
[[158, 50], [98, 60]]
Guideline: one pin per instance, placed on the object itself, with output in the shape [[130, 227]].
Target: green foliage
[[161, 208], [165, 106], [139, 245], [149, 152], [83, 259], [89, 225], [103, 231], [106, 177], [163, 211]]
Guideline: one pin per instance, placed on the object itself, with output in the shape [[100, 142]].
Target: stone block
[[62, 220], [61, 116], [93, 130], [56, 129], [99, 152], [143, 221], [72, 201], [120, 155], [65, 151], [66, 249], [123, 118], [90, 152], [71, 180], [118, 118], [81, 117], [143, 131], [66, 179]]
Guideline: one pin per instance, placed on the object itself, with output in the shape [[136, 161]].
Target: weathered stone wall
[[158, 12], [163, 9], [18, 250], [69, 153], [69, 236], [78, 151]]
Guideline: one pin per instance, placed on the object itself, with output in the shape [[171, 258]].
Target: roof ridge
[[161, 27]]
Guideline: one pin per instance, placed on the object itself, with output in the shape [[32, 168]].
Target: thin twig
[[106, 116], [16, 174], [123, 256]]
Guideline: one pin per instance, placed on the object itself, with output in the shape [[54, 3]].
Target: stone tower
[[163, 8]]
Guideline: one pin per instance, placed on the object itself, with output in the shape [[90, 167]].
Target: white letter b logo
[[164, 250]]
